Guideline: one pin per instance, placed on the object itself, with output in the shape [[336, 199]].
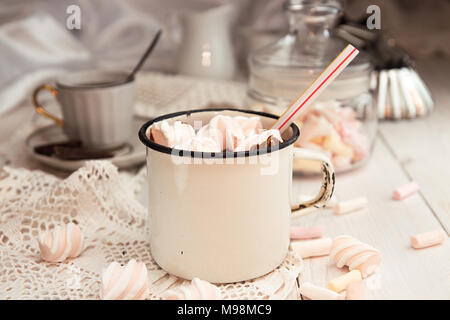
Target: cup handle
[[328, 180], [40, 109]]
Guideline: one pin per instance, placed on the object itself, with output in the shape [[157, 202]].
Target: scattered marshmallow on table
[[312, 248], [128, 282], [427, 239], [348, 251], [350, 205], [61, 243], [340, 283], [314, 292], [299, 233], [197, 290], [329, 205], [355, 291], [405, 190], [332, 202]]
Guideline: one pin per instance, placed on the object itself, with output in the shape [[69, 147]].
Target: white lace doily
[[104, 204]]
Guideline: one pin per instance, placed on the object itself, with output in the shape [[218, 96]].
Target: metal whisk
[[401, 93]]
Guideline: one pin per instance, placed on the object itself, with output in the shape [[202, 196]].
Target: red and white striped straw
[[316, 88]]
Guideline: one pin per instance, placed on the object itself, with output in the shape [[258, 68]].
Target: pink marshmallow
[[428, 239], [314, 127], [299, 233], [405, 190], [352, 205], [341, 162], [348, 251], [220, 134], [197, 290], [249, 126], [161, 132], [312, 248], [347, 113], [201, 144], [259, 140], [229, 129], [352, 137], [172, 135], [355, 291]]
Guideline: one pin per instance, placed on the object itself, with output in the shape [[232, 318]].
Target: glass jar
[[342, 121]]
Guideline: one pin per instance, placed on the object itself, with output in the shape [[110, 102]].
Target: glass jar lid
[[286, 67]]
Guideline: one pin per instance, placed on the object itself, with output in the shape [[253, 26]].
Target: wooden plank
[[422, 146], [387, 225]]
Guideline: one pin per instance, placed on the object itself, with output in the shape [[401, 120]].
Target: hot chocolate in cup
[[96, 105], [224, 216]]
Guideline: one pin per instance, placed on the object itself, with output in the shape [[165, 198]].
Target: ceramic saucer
[[132, 153]]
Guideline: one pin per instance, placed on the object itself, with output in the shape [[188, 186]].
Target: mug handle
[[40, 109], [328, 180]]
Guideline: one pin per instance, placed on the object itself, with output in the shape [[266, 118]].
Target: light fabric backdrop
[[35, 43]]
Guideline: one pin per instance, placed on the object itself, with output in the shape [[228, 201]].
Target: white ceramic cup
[[224, 220], [97, 107]]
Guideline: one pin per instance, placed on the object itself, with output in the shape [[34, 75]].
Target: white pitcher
[[206, 49]]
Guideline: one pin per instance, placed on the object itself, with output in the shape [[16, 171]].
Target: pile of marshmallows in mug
[[222, 133], [131, 281]]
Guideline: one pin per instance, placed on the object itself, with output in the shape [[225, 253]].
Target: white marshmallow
[[312, 248], [314, 292]]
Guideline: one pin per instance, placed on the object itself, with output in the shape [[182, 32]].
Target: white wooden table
[[408, 150], [418, 150]]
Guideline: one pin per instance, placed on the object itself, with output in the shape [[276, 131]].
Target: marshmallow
[[203, 144], [312, 248], [350, 205], [299, 233], [332, 202], [347, 251], [61, 243], [229, 130], [405, 190], [210, 132], [314, 127], [259, 140], [197, 290], [355, 291], [220, 134], [129, 282], [172, 135], [334, 143], [428, 239], [341, 162], [161, 132], [335, 130], [313, 292], [354, 139], [182, 132], [340, 283], [249, 126]]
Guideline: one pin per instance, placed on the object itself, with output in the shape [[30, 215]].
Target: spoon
[[130, 77], [145, 56]]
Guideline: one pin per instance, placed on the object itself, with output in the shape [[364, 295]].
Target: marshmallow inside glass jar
[[222, 133], [342, 122]]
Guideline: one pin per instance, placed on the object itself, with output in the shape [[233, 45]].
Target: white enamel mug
[[224, 219], [97, 107]]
